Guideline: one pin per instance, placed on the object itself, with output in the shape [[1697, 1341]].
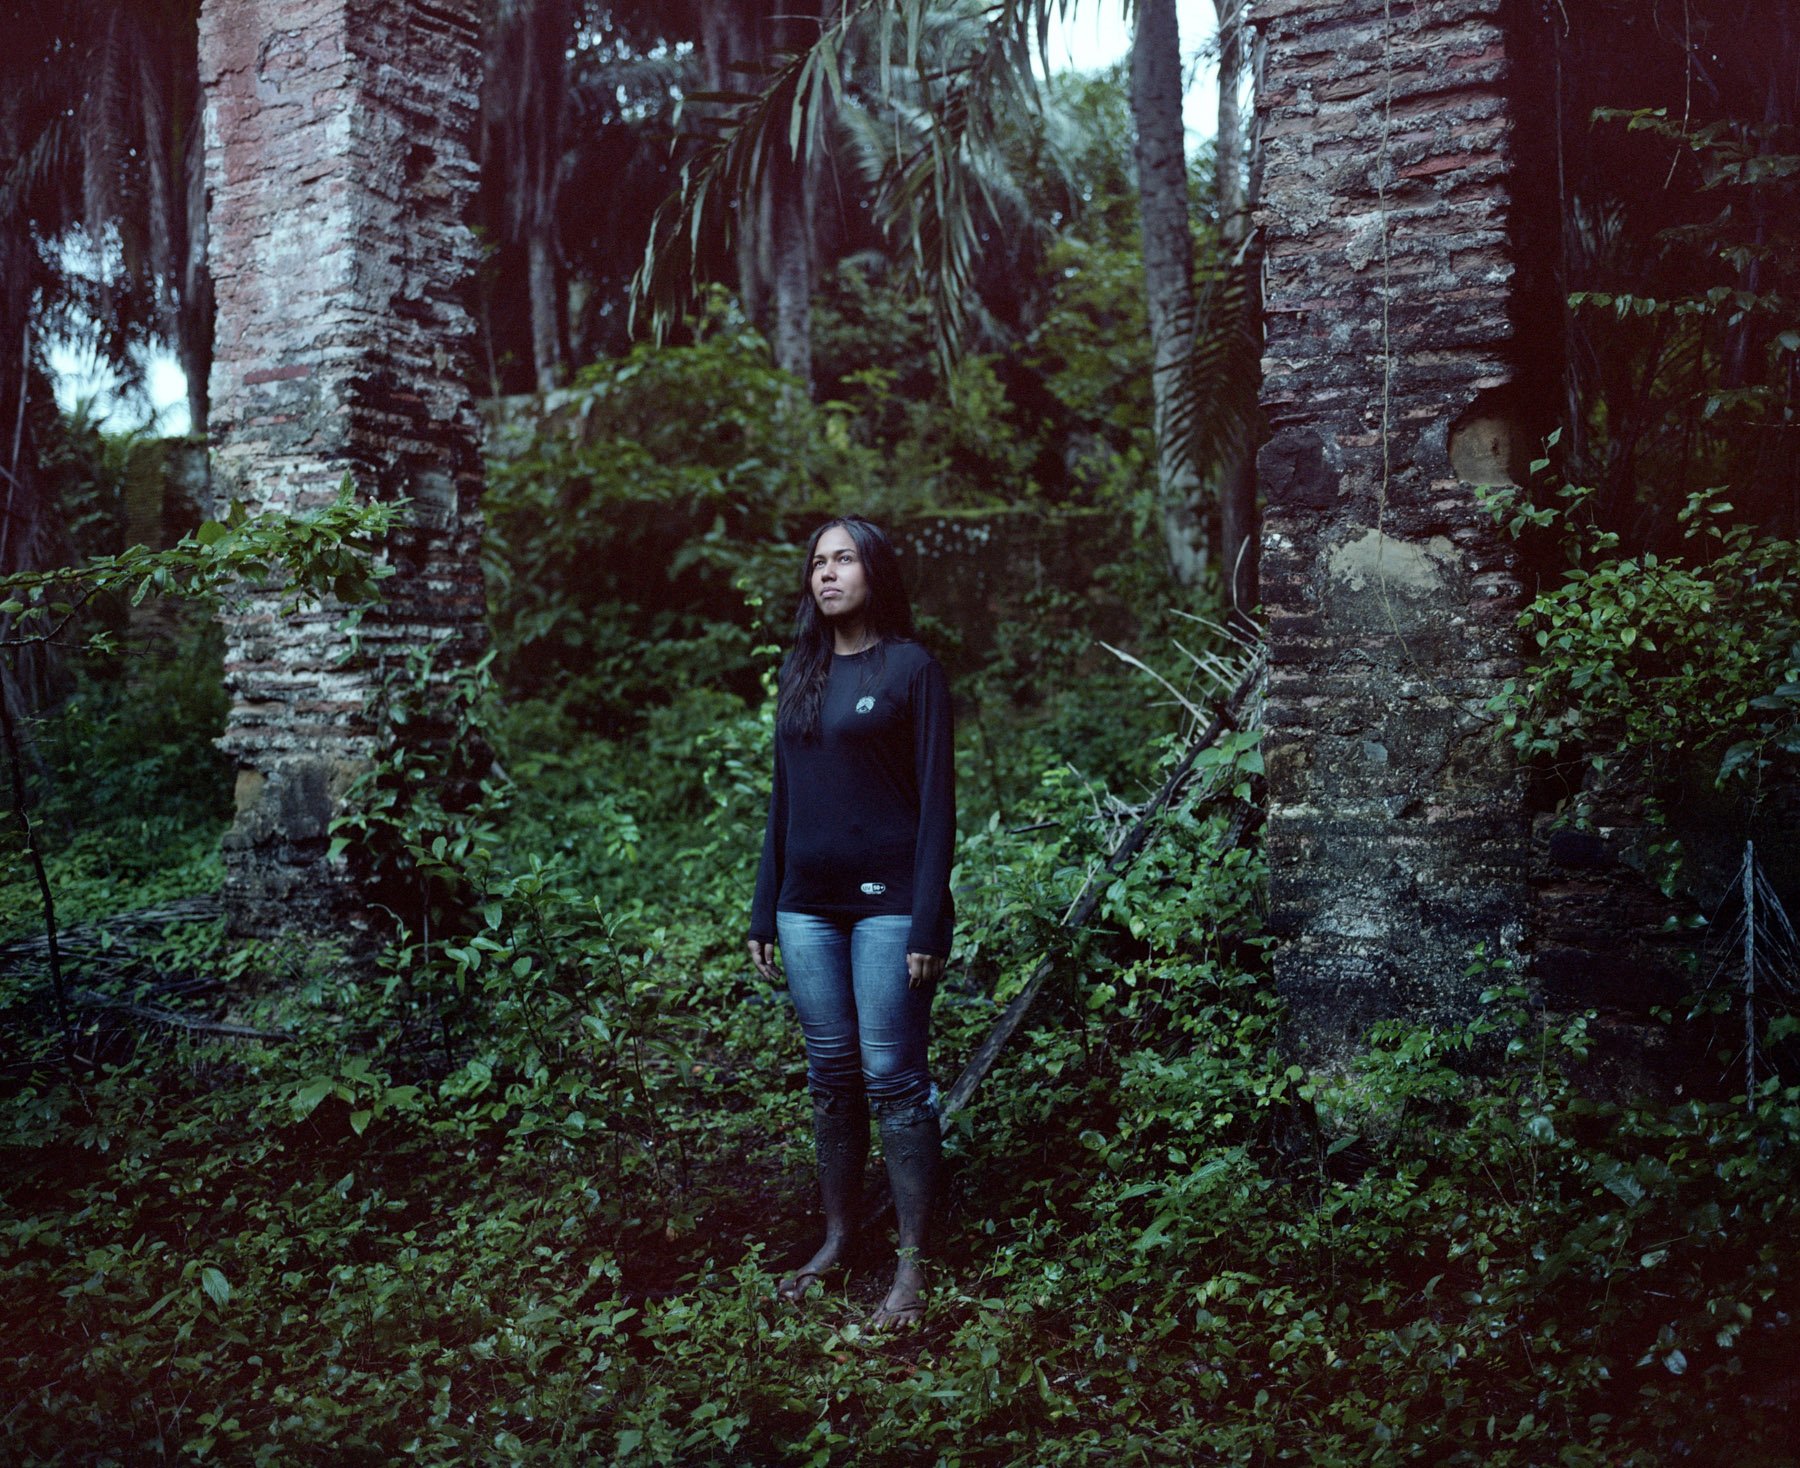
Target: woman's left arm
[[934, 764]]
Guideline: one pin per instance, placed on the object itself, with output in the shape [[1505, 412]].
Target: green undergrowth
[[520, 1190], [517, 1186], [131, 794]]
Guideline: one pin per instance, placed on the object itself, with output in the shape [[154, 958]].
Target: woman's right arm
[[768, 873]]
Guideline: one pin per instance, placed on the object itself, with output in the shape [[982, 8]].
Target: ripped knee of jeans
[[908, 1109]]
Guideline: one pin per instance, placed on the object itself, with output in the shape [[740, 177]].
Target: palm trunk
[[1168, 278], [790, 268], [775, 256], [177, 236], [1238, 538], [194, 339], [728, 39], [545, 282], [525, 116], [193, 349]]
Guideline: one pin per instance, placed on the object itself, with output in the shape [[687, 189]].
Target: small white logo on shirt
[[874, 889], [863, 705]]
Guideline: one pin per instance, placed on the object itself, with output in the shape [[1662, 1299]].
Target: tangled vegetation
[[519, 1189]]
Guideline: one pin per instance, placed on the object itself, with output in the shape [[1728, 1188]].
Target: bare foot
[[905, 1302], [796, 1286]]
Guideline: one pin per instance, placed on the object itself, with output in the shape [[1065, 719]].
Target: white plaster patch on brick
[[1365, 241], [1403, 565]]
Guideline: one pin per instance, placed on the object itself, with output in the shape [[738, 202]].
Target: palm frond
[[946, 152], [693, 230], [1215, 406], [41, 165], [934, 195]]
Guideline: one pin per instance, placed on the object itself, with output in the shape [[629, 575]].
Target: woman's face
[[839, 580]]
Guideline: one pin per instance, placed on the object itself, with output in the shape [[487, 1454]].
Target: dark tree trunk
[[1161, 155], [175, 227], [789, 231], [728, 37], [524, 124], [194, 331]]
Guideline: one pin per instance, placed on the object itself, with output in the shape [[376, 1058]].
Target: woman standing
[[855, 886]]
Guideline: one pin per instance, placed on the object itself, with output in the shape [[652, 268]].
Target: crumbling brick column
[[338, 168], [1396, 834]]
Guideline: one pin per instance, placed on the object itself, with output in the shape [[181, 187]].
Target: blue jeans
[[865, 1025]]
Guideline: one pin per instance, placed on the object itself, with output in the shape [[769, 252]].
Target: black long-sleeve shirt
[[862, 817]]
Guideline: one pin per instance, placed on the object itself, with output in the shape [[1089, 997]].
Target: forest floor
[[523, 1195]]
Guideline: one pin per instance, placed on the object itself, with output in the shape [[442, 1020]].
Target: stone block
[[1293, 470]]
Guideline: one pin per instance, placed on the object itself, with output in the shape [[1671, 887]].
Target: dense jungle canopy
[[500, 1161]]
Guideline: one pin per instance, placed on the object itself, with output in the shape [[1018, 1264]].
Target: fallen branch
[[89, 940], [156, 1014], [106, 952], [1124, 854]]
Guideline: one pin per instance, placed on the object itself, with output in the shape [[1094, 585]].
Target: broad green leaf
[[308, 1097], [217, 1287]]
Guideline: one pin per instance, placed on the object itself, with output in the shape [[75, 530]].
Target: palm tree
[[1021, 181], [963, 107], [1168, 239], [1237, 376], [573, 142], [105, 108], [951, 115], [742, 40]]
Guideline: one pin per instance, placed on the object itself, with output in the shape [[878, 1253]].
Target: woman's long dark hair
[[889, 619]]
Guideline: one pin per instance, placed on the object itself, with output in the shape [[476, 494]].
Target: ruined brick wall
[[338, 169], [1396, 831]]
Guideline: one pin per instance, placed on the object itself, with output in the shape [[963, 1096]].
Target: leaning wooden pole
[[1124, 854]]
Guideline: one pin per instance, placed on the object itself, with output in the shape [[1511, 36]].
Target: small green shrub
[[1667, 657]]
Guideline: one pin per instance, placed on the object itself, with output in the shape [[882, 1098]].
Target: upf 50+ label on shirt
[[874, 889]]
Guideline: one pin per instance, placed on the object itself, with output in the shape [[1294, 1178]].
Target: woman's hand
[[923, 968], [762, 954]]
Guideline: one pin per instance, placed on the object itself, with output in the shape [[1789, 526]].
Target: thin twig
[[1750, 976], [12, 475], [42, 638], [17, 761]]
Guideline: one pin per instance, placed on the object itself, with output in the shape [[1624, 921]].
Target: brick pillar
[[338, 168], [1396, 833]]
